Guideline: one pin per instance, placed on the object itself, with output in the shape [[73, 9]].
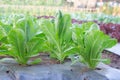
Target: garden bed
[[50, 69], [115, 59], [30, 37]]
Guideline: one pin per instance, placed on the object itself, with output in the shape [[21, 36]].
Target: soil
[[45, 57], [115, 59]]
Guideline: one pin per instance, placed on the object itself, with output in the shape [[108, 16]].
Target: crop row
[[111, 29], [24, 36]]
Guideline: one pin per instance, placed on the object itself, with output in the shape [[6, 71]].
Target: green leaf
[[34, 46], [3, 50], [17, 40], [91, 42], [58, 36], [5, 28], [22, 40], [28, 25], [4, 40], [106, 61], [2, 33], [36, 61]]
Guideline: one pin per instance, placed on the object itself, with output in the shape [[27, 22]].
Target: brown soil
[[46, 59], [115, 59]]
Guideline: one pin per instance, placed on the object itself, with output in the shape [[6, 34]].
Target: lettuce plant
[[90, 43], [22, 41], [58, 36]]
